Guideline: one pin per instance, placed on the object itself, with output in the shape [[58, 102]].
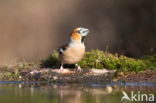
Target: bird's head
[[78, 34]]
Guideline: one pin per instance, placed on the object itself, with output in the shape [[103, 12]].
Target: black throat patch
[[82, 39]]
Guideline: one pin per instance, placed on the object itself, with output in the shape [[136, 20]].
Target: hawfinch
[[74, 51]]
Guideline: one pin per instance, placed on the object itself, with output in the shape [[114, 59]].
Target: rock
[[99, 71]]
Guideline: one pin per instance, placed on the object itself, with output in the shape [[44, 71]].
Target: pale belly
[[73, 55]]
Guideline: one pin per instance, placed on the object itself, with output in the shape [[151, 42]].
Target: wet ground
[[37, 92]]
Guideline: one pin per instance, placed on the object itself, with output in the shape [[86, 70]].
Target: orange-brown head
[[78, 34]]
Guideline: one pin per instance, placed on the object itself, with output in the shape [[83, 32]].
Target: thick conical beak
[[85, 32]]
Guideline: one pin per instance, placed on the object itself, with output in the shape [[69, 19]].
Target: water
[[30, 92]]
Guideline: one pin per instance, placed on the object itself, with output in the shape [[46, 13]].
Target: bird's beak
[[85, 32]]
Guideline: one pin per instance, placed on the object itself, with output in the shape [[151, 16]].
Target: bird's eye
[[78, 32]]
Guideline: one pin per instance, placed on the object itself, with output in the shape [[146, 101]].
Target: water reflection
[[65, 93]]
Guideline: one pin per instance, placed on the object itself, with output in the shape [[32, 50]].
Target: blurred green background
[[31, 29]]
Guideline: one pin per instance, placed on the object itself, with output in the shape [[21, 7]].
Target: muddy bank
[[74, 76], [147, 76], [55, 75]]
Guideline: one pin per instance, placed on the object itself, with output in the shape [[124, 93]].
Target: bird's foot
[[61, 69], [78, 68], [65, 71]]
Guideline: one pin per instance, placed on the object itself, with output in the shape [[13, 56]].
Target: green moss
[[151, 61], [51, 61], [100, 59]]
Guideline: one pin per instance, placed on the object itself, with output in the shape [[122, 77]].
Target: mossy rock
[[151, 61], [52, 61], [99, 59]]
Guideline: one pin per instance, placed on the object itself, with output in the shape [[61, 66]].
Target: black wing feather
[[62, 49]]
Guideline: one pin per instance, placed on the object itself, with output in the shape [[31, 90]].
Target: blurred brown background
[[31, 29]]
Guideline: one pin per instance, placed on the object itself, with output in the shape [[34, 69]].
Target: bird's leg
[[78, 67], [61, 68]]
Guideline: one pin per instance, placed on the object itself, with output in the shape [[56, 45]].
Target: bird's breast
[[73, 55]]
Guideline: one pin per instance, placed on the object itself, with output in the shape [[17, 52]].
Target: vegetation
[[13, 72], [51, 61], [93, 59], [100, 59], [151, 61]]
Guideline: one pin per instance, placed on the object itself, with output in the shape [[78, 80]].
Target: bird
[[74, 50]]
